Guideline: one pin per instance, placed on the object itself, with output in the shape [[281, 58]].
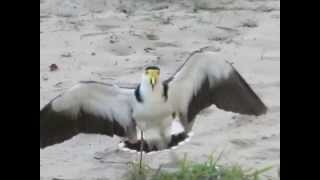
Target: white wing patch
[[189, 80], [97, 99]]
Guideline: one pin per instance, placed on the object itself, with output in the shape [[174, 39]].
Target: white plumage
[[92, 107], [95, 98]]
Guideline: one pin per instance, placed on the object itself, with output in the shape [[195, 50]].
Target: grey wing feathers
[[235, 94], [204, 81], [232, 94], [89, 107]]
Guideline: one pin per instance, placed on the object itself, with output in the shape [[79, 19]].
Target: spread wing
[[89, 107], [204, 80]]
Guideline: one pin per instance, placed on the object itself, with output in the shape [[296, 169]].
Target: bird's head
[[151, 76]]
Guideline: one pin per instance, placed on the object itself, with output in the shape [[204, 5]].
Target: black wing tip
[[43, 112], [43, 145], [56, 128], [259, 106], [262, 110]]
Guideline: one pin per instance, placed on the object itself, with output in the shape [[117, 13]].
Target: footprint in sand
[[120, 49], [271, 153], [114, 156], [243, 143], [241, 120], [162, 44], [223, 36]]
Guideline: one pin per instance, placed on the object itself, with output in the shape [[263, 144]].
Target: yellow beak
[[154, 76], [153, 80]]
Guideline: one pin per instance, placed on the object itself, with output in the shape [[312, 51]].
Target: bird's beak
[[153, 80]]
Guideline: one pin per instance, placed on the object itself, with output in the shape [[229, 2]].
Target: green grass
[[188, 170]]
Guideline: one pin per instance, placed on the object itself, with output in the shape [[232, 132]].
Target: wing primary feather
[[236, 95], [232, 94], [57, 126], [200, 100]]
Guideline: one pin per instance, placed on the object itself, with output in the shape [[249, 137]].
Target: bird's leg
[[165, 140], [141, 151]]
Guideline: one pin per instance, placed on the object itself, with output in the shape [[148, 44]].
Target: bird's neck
[[145, 92], [146, 89]]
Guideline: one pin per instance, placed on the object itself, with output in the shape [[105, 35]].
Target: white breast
[[151, 115], [154, 112]]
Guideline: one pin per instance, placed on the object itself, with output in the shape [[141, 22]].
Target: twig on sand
[[113, 162], [227, 29], [93, 34]]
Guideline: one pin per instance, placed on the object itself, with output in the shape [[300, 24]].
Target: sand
[[111, 41]]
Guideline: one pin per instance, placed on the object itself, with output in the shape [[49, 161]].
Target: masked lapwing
[[106, 109]]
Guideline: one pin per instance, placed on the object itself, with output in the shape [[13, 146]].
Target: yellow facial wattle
[[153, 76]]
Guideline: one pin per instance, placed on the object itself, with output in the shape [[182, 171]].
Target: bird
[[91, 107]]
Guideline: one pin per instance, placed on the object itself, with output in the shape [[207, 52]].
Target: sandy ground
[[111, 40]]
